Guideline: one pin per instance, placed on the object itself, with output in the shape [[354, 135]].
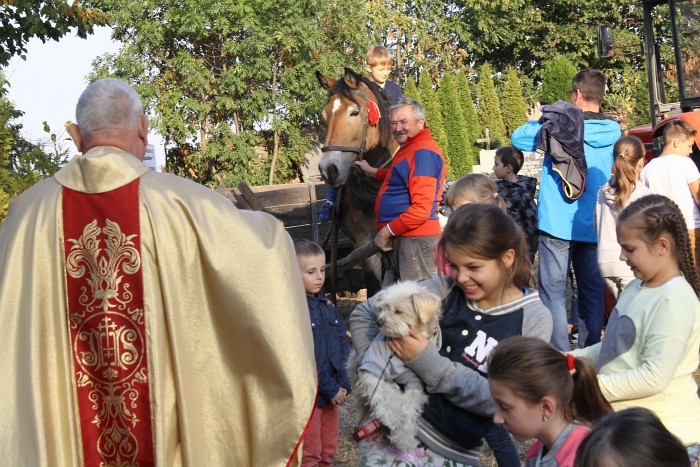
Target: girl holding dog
[[544, 394], [485, 300]]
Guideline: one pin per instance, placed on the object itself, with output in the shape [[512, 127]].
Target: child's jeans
[[321, 439]]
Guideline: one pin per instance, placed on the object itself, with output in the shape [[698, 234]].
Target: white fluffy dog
[[395, 395]]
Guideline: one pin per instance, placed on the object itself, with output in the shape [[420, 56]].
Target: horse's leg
[[357, 221], [373, 274]]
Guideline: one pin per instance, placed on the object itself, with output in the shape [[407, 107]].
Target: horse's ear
[[326, 83], [351, 79]]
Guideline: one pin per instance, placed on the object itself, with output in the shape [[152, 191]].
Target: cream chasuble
[[209, 361]]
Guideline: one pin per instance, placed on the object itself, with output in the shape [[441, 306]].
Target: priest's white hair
[[108, 104]]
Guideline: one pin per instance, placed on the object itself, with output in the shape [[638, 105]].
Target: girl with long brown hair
[[650, 350], [544, 394], [622, 188]]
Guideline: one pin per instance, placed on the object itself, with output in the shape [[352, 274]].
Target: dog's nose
[[380, 322]]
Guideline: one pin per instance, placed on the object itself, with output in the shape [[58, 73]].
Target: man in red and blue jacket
[[409, 196]]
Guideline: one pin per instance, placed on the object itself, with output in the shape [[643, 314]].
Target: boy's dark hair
[[591, 83], [306, 247], [678, 129], [510, 156]]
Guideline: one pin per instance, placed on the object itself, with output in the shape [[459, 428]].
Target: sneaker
[[573, 335], [326, 212]]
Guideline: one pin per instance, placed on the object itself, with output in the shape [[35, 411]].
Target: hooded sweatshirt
[[606, 220], [519, 197], [556, 214]]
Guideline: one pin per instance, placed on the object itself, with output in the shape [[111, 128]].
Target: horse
[[354, 133]]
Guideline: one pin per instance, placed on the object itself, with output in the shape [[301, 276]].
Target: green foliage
[[422, 34], [4, 204], [464, 93], [23, 163], [433, 113], [526, 33], [458, 160], [24, 19], [513, 103], [627, 100], [556, 80], [231, 84], [489, 110], [410, 90]]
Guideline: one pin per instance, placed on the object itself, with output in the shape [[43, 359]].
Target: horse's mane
[[345, 91]]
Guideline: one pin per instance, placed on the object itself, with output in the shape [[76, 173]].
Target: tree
[[489, 110], [464, 93], [433, 113], [410, 90], [23, 19], [513, 103], [458, 160], [231, 84], [422, 34], [23, 163], [556, 80]]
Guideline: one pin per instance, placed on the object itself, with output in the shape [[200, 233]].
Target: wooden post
[[314, 214], [250, 197]]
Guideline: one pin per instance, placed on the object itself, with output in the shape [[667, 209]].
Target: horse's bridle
[[365, 123]]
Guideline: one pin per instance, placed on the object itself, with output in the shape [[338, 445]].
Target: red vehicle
[[674, 23]]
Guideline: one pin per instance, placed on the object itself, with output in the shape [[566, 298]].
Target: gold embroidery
[[108, 342], [104, 278]]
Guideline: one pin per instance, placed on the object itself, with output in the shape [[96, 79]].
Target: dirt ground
[[351, 412]]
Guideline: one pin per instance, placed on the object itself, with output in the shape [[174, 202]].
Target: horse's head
[[358, 123]]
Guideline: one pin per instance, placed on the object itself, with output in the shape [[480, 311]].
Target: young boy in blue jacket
[[567, 228], [331, 349]]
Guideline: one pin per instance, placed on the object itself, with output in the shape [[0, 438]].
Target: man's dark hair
[[510, 156], [591, 83]]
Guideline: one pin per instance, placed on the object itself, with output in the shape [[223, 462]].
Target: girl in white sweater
[[622, 188]]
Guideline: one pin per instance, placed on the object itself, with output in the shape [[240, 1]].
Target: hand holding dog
[[339, 398], [408, 347]]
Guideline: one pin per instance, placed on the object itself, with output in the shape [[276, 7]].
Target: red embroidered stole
[[107, 326]]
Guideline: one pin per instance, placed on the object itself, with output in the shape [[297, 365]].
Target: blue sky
[[47, 85]]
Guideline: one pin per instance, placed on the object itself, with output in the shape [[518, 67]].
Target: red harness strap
[[107, 325]]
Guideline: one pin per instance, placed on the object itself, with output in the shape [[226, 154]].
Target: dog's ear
[[428, 306]]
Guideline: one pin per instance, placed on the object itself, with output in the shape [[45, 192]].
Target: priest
[[145, 320]]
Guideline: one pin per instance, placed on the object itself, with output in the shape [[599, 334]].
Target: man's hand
[[408, 347], [534, 113], [339, 398], [382, 239], [366, 168]]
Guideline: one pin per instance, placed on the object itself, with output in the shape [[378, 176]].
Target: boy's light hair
[[379, 55], [678, 129], [306, 247], [510, 156]]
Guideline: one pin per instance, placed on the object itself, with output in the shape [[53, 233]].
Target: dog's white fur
[[399, 306]]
